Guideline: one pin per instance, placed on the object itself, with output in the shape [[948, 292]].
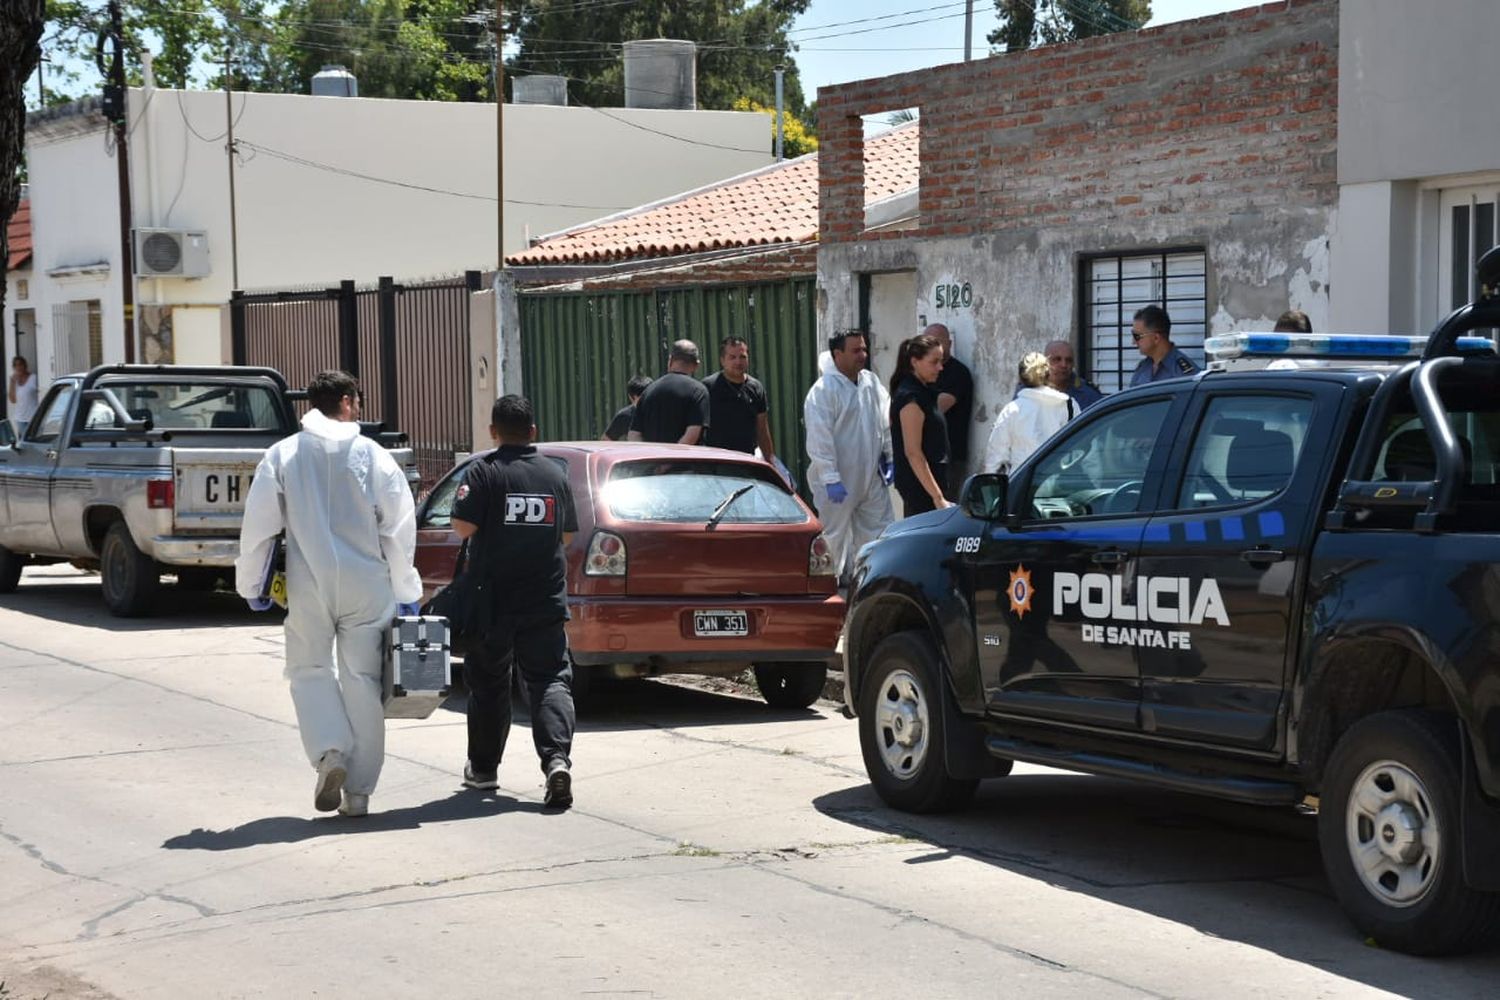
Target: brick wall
[[1224, 114]]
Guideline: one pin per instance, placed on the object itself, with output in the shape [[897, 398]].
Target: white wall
[[1416, 94], [300, 224], [1417, 88]]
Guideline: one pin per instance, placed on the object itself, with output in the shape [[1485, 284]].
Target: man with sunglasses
[[1152, 333]]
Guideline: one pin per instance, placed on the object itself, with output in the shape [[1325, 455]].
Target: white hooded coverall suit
[[847, 433], [351, 538], [1024, 424]]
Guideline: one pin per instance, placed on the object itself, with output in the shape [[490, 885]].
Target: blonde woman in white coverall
[[1038, 412], [350, 526], [849, 468]]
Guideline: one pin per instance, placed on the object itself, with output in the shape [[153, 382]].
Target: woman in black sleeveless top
[[919, 434]]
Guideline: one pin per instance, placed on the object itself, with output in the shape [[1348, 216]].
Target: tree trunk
[[20, 31]]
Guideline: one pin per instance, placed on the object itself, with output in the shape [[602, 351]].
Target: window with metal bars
[[1115, 286]]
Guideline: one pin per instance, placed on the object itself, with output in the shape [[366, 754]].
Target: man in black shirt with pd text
[[955, 389], [516, 508], [619, 424], [674, 408], [737, 404]]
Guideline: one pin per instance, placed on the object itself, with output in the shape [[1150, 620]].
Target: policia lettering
[[1158, 600]]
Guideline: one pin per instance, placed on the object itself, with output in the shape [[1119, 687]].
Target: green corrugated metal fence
[[579, 349]]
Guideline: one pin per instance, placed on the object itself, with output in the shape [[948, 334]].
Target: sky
[[892, 36]]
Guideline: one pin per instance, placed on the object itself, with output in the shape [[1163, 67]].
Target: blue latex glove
[[408, 610], [837, 493], [887, 470], [259, 603]]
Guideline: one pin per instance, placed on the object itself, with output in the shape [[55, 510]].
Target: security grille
[[78, 336], [1115, 286]]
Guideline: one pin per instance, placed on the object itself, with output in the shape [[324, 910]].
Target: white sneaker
[[355, 805], [331, 774]]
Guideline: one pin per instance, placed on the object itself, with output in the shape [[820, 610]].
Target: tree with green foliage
[[20, 34], [740, 45], [796, 137], [1025, 24]]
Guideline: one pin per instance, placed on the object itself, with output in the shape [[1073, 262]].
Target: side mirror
[[983, 497]]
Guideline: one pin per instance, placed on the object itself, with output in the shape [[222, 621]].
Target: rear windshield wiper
[[724, 505]]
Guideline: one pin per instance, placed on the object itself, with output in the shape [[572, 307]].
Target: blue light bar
[[1328, 345]]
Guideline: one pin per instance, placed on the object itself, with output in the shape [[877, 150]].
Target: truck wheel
[[129, 576], [901, 728], [11, 565], [790, 685], [1389, 831]]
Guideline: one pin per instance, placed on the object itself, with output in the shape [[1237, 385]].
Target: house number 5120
[[955, 296]]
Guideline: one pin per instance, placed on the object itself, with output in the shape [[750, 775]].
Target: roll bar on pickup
[[185, 371], [1438, 497]]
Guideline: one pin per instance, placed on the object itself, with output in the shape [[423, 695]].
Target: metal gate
[[407, 343], [579, 349]]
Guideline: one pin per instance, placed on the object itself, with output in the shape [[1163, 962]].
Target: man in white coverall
[[848, 448], [351, 536]]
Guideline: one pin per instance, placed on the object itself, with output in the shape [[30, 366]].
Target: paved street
[[157, 840]]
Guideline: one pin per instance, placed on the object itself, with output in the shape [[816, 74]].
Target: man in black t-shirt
[[516, 509], [674, 408], [619, 424], [955, 389], [737, 404]]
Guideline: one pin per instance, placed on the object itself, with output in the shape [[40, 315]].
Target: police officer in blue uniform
[[1152, 333]]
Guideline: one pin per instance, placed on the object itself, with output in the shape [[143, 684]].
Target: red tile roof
[[775, 204], [18, 236]]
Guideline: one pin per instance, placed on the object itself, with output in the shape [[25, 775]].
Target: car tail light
[[160, 493], [819, 557], [606, 555]]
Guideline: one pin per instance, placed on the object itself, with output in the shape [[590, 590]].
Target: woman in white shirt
[[1037, 412], [22, 392]]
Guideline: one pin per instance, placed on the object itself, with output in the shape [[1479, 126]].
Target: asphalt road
[[157, 839]]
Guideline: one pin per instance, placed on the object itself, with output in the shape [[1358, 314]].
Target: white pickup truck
[[141, 471]]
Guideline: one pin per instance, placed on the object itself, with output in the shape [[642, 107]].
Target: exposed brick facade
[[1230, 113]]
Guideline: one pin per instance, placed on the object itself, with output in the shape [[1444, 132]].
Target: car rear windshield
[[690, 491], [193, 406]]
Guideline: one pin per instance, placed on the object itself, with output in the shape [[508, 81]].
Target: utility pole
[[499, 134], [234, 231], [780, 73], [115, 112], [968, 30], [41, 83]]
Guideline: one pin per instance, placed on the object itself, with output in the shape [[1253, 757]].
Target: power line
[[360, 175]]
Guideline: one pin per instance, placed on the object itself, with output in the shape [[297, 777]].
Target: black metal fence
[[407, 343]]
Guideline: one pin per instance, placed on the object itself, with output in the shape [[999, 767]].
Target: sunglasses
[[1140, 336]]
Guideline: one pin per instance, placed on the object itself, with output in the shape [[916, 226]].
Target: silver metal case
[[418, 660]]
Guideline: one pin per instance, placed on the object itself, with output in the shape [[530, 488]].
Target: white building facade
[[325, 189], [1418, 161]]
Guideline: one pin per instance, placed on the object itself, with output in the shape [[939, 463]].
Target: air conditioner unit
[[171, 253]]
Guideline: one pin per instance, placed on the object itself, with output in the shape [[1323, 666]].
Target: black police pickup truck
[[1278, 587]]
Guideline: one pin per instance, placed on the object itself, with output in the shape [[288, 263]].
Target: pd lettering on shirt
[[538, 509]]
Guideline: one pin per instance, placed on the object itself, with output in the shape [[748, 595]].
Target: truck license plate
[[721, 624], [216, 488]]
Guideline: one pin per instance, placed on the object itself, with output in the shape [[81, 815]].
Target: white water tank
[[539, 88], [334, 81], [661, 73]]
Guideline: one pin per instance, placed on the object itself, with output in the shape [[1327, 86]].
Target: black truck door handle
[[1110, 557], [1255, 556]]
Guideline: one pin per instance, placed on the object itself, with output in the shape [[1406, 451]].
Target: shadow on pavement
[[76, 600], [461, 805], [1232, 871]]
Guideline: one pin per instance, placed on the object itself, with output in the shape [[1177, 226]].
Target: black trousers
[[914, 498], [538, 647]]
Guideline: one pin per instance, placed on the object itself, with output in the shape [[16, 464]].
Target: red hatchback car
[[687, 560]]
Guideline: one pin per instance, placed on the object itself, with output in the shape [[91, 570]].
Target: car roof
[[621, 450]]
